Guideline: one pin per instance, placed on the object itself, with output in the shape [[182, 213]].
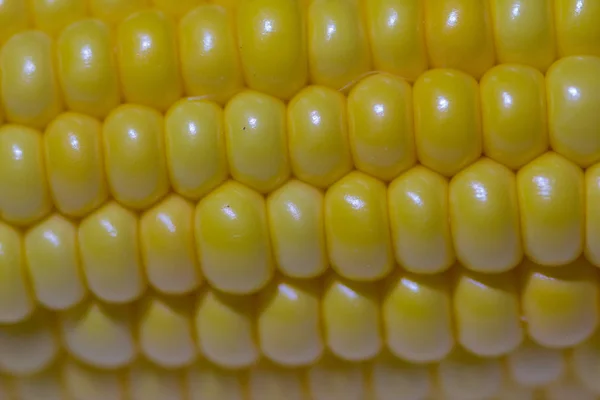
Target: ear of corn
[[300, 199]]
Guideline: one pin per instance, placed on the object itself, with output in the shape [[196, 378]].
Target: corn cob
[[353, 201]]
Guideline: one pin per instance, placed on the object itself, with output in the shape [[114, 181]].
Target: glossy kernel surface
[[51, 16], [577, 28], [13, 18]]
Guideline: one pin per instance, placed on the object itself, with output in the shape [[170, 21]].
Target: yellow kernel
[[577, 28], [24, 194], [397, 37], [333, 379], [357, 228], [74, 164], [380, 118], [87, 68], [195, 147], [459, 35], [16, 301], [547, 187], [573, 102], [13, 18], [176, 8], [486, 313], [394, 379], [592, 214], [51, 16], [29, 346], [269, 382], [447, 120], [338, 47], [484, 216], [524, 32], [167, 245], [288, 322], [318, 136], [45, 385], [568, 387], [114, 11], [585, 362], [420, 221], [297, 229], [99, 335], [350, 315], [560, 304], [165, 331], [30, 90], [417, 317], [207, 382], [148, 61], [513, 108], [136, 166], [256, 140], [272, 45], [84, 382], [533, 365], [232, 239], [53, 263], [147, 381], [225, 332], [209, 56], [109, 251], [464, 376]]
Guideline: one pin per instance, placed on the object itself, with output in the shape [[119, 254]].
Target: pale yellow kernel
[[208, 382], [332, 379], [585, 362], [568, 387], [592, 214], [84, 382], [147, 381], [533, 365], [45, 385], [269, 382], [394, 379]]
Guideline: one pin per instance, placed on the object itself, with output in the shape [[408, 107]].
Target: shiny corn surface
[[299, 199]]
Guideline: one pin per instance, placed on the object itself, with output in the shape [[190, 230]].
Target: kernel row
[[418, 318], [277, 48], [461, 377]]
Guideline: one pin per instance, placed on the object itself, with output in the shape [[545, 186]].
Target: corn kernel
[[136, 167], [29, 346], [268, 382], [51, 16], [272, 45], [459, 35], [573, 102], [568, 387], [487, 313], [16, 301], [210, 62], [53, 263], [350, 314], [225, 331], [338, 46], [547, 187], [148, 61], [318, 136], [297, 228], [380, 118], [417, 317], [24, 194], [397, 37], [585, 362], [206, 382], [513, 108], [524, 32], [99, 335], [114, 11], [420, 221], [533, 365], [447, 120], [592, 214], [87, 68], [256, 140], [176, 8], [30, 90], [288, 323], [109, 251], [484, 216], [332, 379], [463, 376], [357, 228], [165, 331], [146, 381], [513, 391], [577, 28], [85, 382], [232, 239], [13, 18], [393, 379], [74, 164], [45, 385], [560, 304]]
